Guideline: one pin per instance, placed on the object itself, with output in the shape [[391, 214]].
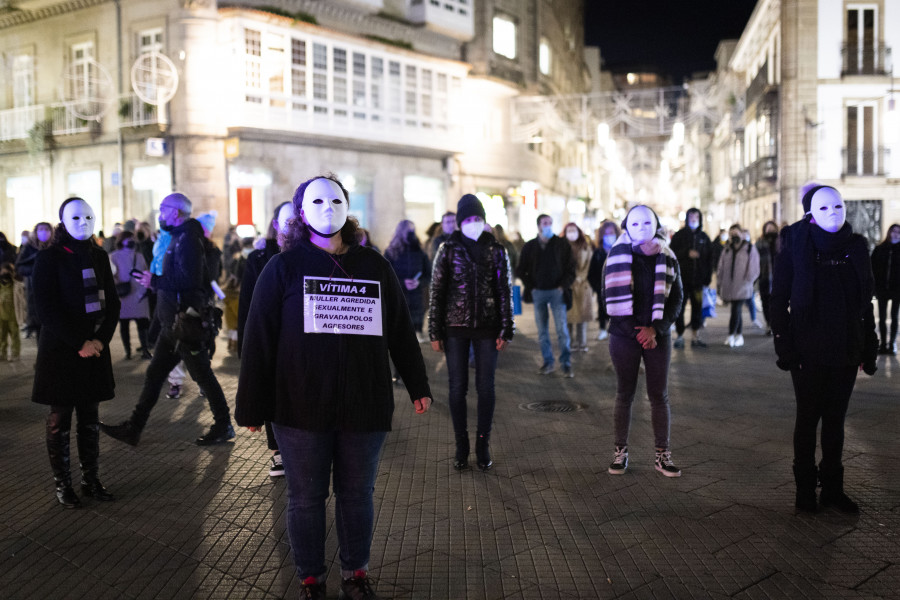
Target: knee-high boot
[[483, 451], [89, 453], [58, 449], [832, 479], [461, 460], [805, 478]]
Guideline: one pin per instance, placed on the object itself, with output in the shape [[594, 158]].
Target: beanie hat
[[208, 220], [469, 206], [807, 197]]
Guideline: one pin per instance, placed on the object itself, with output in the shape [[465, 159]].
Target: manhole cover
[[553, 406]]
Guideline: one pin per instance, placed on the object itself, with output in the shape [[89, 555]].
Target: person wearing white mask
[[77, 304], [326, 318], [886, 268], [471, 306], [643, 294], [547, 270], [824, 333]]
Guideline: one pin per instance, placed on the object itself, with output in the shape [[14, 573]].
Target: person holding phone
[[413, 269]]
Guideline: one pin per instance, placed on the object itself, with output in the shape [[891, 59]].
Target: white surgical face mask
[[472, 229], [609, 240], [694, 223], [827, 208], [78, 218], [895, 236], [547, 231], [641, 225], [324, 207], [723, 237], [571, 235]]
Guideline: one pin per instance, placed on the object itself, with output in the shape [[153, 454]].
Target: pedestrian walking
[[126, 261], [581, 312], [886, 268], [547, 270], [77, 305], [643, 293], [738, 269], [694, 251], [824, 330], [321, 375], [182, 296], [471, 306]]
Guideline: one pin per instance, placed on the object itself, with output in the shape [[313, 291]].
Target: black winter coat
[[185, 279], [821, 306], [886, 268], [255, 264], [407, 265], [324, 381], [548, 267], [61, 376], [695, 272], [472, 292]]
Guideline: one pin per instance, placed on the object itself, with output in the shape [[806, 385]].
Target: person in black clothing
[[767, 246], [695, 257], [252, 270], [886, 268], [547, 269], [40, 239], [412, 267], [607, 235], [77, 304], [322, 376], [183, 286], [471, 305], [448, 226], [643, 294], [824, 330]]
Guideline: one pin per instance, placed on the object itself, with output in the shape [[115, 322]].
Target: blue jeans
[[310, 457], [626, 354], [457, 352], [545, 302]]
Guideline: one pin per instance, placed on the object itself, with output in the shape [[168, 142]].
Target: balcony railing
[[64, 121], [860, 60], [134, 112], [763, 170], [16, 122], [865, 163]]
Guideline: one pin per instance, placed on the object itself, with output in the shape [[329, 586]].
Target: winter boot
[[58, 449], [805, 478], [483, 451], [832, 479], [461, 460], [88, 437]]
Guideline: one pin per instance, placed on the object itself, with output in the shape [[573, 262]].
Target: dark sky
[[677, 36]]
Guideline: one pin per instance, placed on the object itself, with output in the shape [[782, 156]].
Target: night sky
[[679, 37]]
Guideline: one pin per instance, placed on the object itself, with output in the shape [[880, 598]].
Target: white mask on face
[[286, 213], [572, 235], [78, 218], [693, 223], [472, 229], [324, 207], [827, 208], [641, 225]]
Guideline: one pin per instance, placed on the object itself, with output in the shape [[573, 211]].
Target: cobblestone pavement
[[546, 522]]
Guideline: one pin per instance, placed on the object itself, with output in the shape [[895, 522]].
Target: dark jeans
[[696, 299], [736, 323], [457, 352], [310, 459], [166, 355], [125, 331], [765, 297], [823, 393], [882, 318], [626, 354]]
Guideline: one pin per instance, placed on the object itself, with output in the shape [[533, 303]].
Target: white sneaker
[[758, 324], [738, 341], [729, 341], [602, 335]]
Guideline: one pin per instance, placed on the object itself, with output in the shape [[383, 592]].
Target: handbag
[[123, 288], [194, 329], [709, 303]]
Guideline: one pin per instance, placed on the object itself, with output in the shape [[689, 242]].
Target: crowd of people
[[326, 326]]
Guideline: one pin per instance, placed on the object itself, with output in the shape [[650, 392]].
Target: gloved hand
[[786, 363], [869, 367]]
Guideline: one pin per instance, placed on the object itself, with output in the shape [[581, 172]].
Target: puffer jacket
[[738, 270], [475, 293]]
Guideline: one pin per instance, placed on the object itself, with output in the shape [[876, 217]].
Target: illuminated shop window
[[504, 37]]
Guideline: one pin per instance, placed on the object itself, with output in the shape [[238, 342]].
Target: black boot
[[88, 437], [805, 477], [126, 431], [832, 479], [461, 460], [58, 449], [483, 451]]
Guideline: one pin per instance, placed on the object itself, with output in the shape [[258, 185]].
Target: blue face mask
[[609, 240], [547, 231]]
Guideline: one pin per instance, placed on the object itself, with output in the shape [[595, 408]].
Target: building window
[[298, 73], [544, 57], [863, 156], [504, 37], [81, 84], [862, 51], [150, 40], [23, 81], [253, 66]]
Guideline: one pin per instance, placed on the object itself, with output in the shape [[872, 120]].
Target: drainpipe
[[119, 142]]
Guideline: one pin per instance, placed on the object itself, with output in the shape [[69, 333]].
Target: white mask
[[571, 235], [78, 218], [324, 207], [641, 225], [827, 208], [286, 213], [472, 229]]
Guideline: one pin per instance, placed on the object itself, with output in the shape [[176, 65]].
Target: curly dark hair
[[297, 231]]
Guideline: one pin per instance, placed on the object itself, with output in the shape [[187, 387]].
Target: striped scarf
[[619, 283], [94, 295]]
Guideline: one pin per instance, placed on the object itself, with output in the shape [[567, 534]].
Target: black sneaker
[[620, 461], [678, 343], [311, 589], [124, 432], [174, 392], [665, 465], [218, 434], [698, 343], [546, 369], [568, 373], [357, 587], [277, 468]]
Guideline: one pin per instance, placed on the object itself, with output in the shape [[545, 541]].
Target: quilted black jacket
[[475, 293]]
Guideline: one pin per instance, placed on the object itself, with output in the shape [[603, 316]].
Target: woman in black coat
[[413, 269], [76, 302], [886, 268], [824, 330]]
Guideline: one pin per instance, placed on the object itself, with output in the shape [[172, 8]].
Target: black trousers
[[695, 297], [823, 394]]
